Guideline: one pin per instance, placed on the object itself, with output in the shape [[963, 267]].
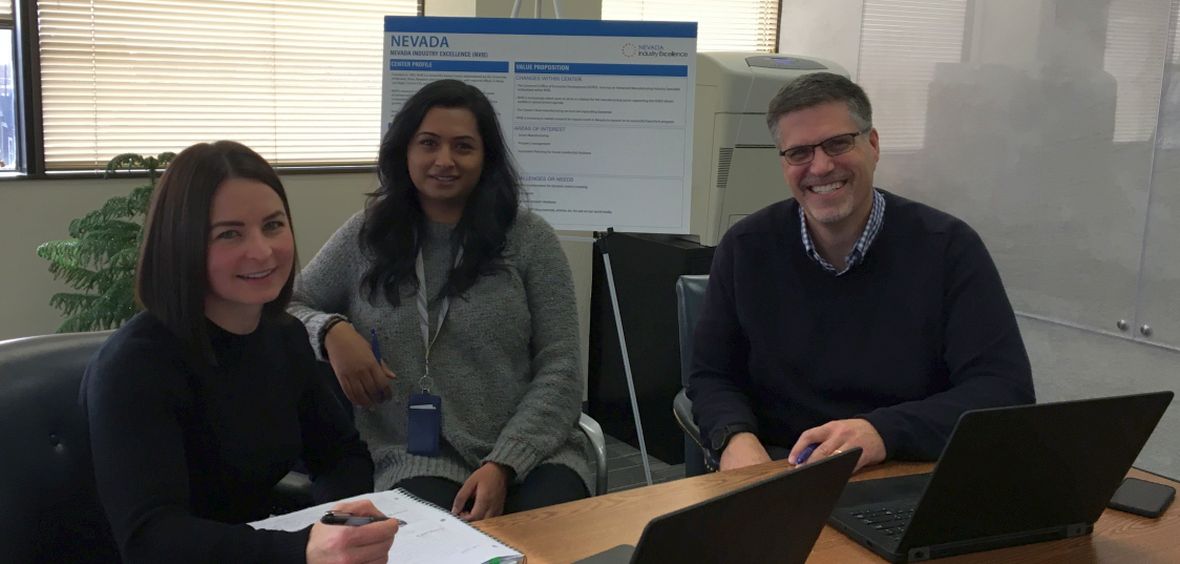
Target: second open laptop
[[774, 520], [1008, 476]]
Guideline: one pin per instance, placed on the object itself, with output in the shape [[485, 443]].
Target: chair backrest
[[690, 294], [49, 509]]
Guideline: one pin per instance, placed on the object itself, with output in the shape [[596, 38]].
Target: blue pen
[[803, 456], [376, 346]]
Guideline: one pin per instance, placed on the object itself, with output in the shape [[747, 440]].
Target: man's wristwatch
[[720, 436]]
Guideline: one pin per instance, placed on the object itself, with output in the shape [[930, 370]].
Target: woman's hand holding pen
[[339, 543], [363, 377]]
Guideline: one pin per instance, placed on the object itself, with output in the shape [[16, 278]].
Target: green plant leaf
[[126, 161], [58, 251], [69, 303], [100, 258], [140, 198], [125, 259]]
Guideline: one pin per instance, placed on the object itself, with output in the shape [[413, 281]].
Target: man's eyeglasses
[[832, 146]]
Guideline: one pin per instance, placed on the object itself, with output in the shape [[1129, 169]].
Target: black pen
[[352, 519]]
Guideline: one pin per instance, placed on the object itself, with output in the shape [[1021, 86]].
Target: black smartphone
[[1141, 497]]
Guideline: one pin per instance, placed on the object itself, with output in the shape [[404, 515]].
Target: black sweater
[[909, 339], [184, 455]]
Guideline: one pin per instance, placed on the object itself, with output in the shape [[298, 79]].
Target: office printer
[[735, 164]]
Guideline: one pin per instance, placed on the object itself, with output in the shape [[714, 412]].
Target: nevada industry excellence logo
[[630, 50]]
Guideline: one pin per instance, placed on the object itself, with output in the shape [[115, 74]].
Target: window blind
[[901, 41], [1174, 38], [297, 81], [733, 25], [1136, 46]]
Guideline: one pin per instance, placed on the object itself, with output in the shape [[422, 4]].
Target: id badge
[[424, 424]]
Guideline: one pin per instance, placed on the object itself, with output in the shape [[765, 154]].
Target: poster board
[[598, 114]]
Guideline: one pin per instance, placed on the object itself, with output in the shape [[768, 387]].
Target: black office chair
[[49, 510], [690, 295]]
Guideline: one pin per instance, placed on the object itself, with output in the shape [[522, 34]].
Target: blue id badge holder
[[425, 424], [424, 420]]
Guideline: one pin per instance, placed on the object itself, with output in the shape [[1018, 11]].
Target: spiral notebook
[[430, 535]]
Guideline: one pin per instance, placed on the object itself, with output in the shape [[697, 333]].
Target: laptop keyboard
[[889, 520]]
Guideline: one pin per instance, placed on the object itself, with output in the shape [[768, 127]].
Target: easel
[[601, 240], [614, 297], [536, 9]]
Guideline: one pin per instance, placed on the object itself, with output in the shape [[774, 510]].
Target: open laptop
[[1008, 476], [774, 520]]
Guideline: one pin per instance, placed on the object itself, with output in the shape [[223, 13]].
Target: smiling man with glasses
[[847, 316]]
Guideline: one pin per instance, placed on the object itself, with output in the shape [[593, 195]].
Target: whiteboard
[[598, 114]]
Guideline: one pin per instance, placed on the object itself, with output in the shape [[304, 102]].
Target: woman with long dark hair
[[468, 299], [201, 403]]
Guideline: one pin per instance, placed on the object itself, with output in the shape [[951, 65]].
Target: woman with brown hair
[[200, 404]]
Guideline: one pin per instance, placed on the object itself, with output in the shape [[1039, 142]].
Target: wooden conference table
[[567, 532]]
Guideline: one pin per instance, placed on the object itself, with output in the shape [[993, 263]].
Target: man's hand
[[363, 379], [489, 485], [840, 435], [329, 544], [744, 449]]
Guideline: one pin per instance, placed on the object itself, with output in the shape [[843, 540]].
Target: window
[[900, 44], [298, 81], [1136, 46], [733, 25], [8, 131]]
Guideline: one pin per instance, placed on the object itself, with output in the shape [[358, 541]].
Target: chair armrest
[[594, 432], [682, 410], [292, 493]]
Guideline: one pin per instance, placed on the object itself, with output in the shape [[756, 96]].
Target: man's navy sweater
[[909, 339]]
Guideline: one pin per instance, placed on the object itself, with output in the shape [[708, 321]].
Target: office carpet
[[624, 467]]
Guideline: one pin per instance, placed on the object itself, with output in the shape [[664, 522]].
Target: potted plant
[[98, 261]]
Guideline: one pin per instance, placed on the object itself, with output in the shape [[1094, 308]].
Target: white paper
[[429, 536]]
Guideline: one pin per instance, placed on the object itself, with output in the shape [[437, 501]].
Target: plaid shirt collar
[[860, 249]]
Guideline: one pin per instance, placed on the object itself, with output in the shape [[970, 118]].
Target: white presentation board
[[598, 114]]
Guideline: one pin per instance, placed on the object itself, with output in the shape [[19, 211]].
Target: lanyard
[[424, 316]]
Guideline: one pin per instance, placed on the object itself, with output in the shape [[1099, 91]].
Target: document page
[[430, 534]]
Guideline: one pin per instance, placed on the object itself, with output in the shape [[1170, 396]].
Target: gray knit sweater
[[505, 363]]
